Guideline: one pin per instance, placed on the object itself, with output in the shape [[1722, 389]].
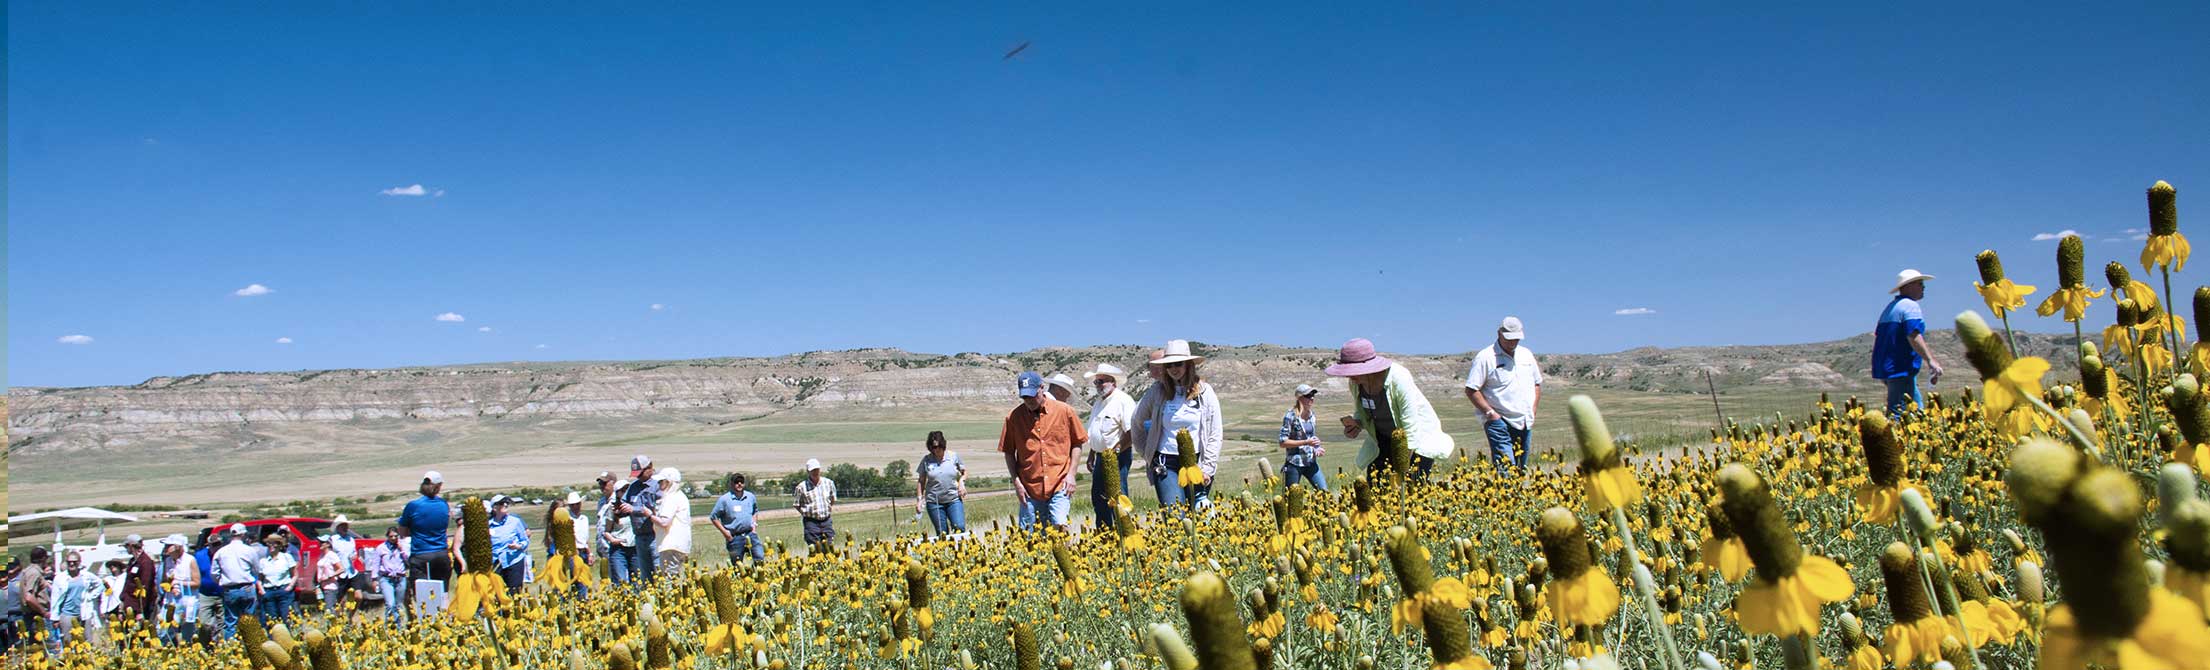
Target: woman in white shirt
[[672, 518], [276, 573], [1180, 401]]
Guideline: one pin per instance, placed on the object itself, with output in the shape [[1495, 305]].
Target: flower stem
[[1963, 628], [2010, 340], [2171, 320], [1643, 586]]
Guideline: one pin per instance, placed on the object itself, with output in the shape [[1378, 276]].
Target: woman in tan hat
[[1183, 403]]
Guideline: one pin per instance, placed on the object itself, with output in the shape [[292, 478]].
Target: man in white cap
[[1899, 343], [180, 588], [426, 521], [636, 501], [234, 572], [1111, 443], [813, 497], [1505, 386]]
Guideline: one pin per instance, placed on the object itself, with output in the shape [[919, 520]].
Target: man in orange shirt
[[1039, 442]]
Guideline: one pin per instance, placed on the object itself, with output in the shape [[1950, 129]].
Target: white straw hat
[[1176, 352], [1905, 278]]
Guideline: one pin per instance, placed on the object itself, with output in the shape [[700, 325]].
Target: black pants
[[438, 566], [513, 575]]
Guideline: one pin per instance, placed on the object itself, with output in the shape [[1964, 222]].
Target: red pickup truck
[[308, 533]]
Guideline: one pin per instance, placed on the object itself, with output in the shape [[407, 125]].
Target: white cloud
[[440, 193], [2135, 230], [1634, 311], [2140, 236], [414, 191], [1143, 320], [544, 346], [74, 339], [657, 307], [451, 317], [483, 329], [2044, 237], [252, 290], [283, 340]]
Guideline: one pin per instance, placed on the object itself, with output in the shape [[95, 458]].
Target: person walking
[[278, 574], [813, 497], [671, 521], [427, 520], [1183, 402], [387, 564], [940, 486], [509, 543], [1899, 348], [1505, 386], [180, 591], [636, 501], [1039, 439], [1300, 441], [1111, 443], [733, 516], [1388, 400], [239, 584]]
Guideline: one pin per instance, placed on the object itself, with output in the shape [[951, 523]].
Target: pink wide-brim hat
[[1356, 358]]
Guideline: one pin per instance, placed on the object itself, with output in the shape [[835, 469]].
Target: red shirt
[[1042, 442]]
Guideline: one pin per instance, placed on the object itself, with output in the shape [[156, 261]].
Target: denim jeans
[[645, 555], [1165, 478], [1902, 393], [1101, 499], [394, 588], [747, 543], [276, 605], [948, 516], [617, 562], [237, 602], [1051, 511], [1508, 446], [1309, 472]]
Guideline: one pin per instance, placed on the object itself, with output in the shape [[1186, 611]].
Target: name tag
[[1368, 403]]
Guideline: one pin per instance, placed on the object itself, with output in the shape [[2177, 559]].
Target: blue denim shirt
[[508, 532], [734, 513], [1296, 428]]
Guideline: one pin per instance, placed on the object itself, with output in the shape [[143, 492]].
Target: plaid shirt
[[1296, 428]]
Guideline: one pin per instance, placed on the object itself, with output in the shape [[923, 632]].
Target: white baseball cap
[[174, 540], [1306, 390], [639, 462], [668, 475], [433, 477], [1511, 329], [813, 464], [133, 539], [237, 529]]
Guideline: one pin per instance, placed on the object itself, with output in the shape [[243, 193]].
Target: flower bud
[[1597, 450], [1170, 649], [2175, 484], [2091, 534], [2071, 262], [2163, 209], [1991, 267], [2187, 534], [2040, 472], [1982, 346], [1883, 457], [2202, 309], [1907, 600], [1764, 530], [2129, 313], [2030, 585], [1414, 574], [1919, 517], [1564, 543], [1025, 654], [2118, 276], [1214, 624]]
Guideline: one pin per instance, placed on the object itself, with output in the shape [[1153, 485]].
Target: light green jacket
[[1421, 429]]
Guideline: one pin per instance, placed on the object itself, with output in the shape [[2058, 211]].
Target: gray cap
[[1511, 329], [1306, 391], [133, 539]]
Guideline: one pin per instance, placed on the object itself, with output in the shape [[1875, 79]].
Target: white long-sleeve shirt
[[234, 564], [1109, 421]]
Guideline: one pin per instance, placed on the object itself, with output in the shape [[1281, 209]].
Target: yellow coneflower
[[566, 568], [2100, 383], [2006, 382], [1610, 484], [2090, 514], [1791, 585], [1190, 474], [1987, 618], [2072, 293], [1998, 291], [1214, 625], [1580, 592], [1862, 655], [729, 636], [2165, 246], [1878, 500], [2186, 536], [1723, 551], [920, 597], [1916, 635], [479, 589], [2125, 285]]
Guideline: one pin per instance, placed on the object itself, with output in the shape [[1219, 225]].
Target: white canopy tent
[[99, 516]]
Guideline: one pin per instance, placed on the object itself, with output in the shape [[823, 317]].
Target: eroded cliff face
[[240, 409]]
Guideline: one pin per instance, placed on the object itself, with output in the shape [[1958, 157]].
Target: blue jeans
[[948, 516], [617, 562], [1508, 446], [394, 589], [237, 602], [646, 553], [1309, 472], [1101, 499], [1164, 473], [276, 605], [746, 544], [1052, 511], [1902, 393]]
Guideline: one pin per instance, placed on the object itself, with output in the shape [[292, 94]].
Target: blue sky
[[782, 180]]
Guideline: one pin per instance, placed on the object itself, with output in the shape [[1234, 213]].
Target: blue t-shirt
[[734, 513], [209, 585], [426, 520], [1892, 355]]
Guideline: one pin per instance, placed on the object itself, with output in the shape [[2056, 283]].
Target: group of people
[[1175, 429], [641, 527]]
